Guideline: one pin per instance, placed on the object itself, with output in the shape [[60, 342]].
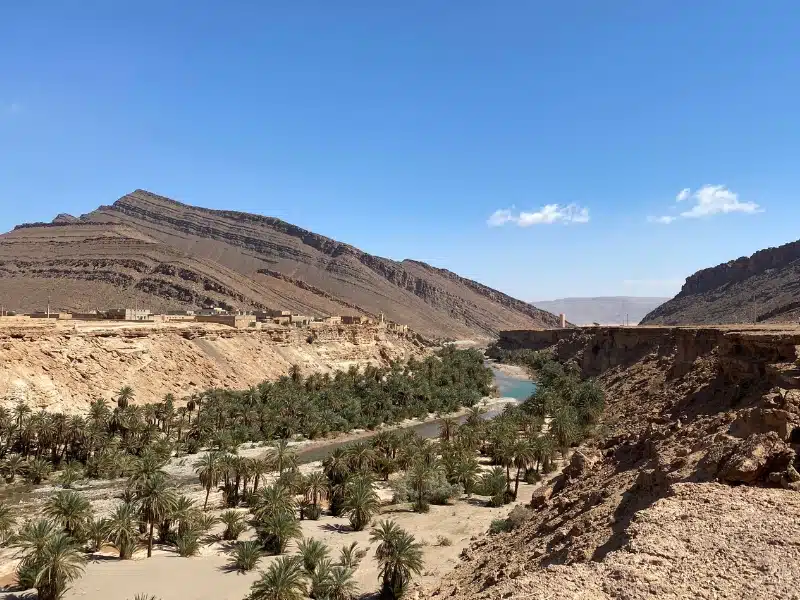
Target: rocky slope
[[692, 491], [61, 366], [153, 251], [759, 288]]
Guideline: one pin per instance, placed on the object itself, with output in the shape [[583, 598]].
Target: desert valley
[[344, 453], [399, 301]]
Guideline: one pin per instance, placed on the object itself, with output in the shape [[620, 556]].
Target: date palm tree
[[465, 472], [276, 529], [360, 502], [283, 580], [564, 427], [315, 487], [58, 564], [271, 500], [336, 469], [361, 456], [156, 499], [524, 456], [285, 456], [183, 513], [234, 524], [70, 509], [420, 479], [341, 584], [246, 556], [124, 397], [7, 522], [209, 469], [37, 470], [399, 556], [350, 556], [13, 465], [123, 529], [312, 552], [447, 428], [72, 472], [97, 532]]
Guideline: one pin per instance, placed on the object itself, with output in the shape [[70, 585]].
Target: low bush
[[500, 526]]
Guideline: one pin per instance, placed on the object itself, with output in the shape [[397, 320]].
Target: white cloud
[[548, 214], [709, 200], [716, 199], [665, 220], [499, 217]]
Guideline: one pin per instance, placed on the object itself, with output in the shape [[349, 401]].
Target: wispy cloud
[[548, 214], [10, 109], [709, 200], [665, 220]]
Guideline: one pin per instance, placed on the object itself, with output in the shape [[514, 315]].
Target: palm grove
[[136, 443]]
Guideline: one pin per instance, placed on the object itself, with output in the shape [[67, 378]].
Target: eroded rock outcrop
[[693, 487]]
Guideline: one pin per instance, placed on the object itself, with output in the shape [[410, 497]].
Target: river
[[507, 386]]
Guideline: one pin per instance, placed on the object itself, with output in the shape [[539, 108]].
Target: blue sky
[[403, 128]]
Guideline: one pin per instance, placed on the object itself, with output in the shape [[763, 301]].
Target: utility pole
[[48, 306]]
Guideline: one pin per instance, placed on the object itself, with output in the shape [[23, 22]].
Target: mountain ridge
[[149, 248], [762, 287]]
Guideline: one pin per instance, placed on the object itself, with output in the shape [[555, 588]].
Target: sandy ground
[[102, 494], [205, 577], [511, 370], [170, 577]]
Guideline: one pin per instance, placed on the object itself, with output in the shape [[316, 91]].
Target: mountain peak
[[175, 255]]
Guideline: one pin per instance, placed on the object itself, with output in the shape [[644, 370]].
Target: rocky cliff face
[[759, 288], [64, 366], [689, 490], [155, 251]]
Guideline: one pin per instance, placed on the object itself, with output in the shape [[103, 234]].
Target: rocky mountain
[[606, 310], [151, 251], [760, 288]]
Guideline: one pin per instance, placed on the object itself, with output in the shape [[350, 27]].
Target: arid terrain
[[65, 365], [151, 251], [692, 491], [761, 288]]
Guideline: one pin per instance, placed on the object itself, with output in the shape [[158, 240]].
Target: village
[[221, 316]]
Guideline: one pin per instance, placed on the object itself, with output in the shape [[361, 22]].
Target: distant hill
[[161, 254], [764, 288], [606, 310]]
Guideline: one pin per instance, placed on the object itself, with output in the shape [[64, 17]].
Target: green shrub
[[443, 541], [500, 526]]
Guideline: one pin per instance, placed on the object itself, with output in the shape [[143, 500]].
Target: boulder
[[755, 457], [541, 497], [763, 420], [580, 463]]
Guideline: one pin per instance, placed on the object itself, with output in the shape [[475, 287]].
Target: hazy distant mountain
[[606, 310]]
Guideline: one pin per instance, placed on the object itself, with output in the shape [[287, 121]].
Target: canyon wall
[[688, 487], [63, 366], [760, 288]]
